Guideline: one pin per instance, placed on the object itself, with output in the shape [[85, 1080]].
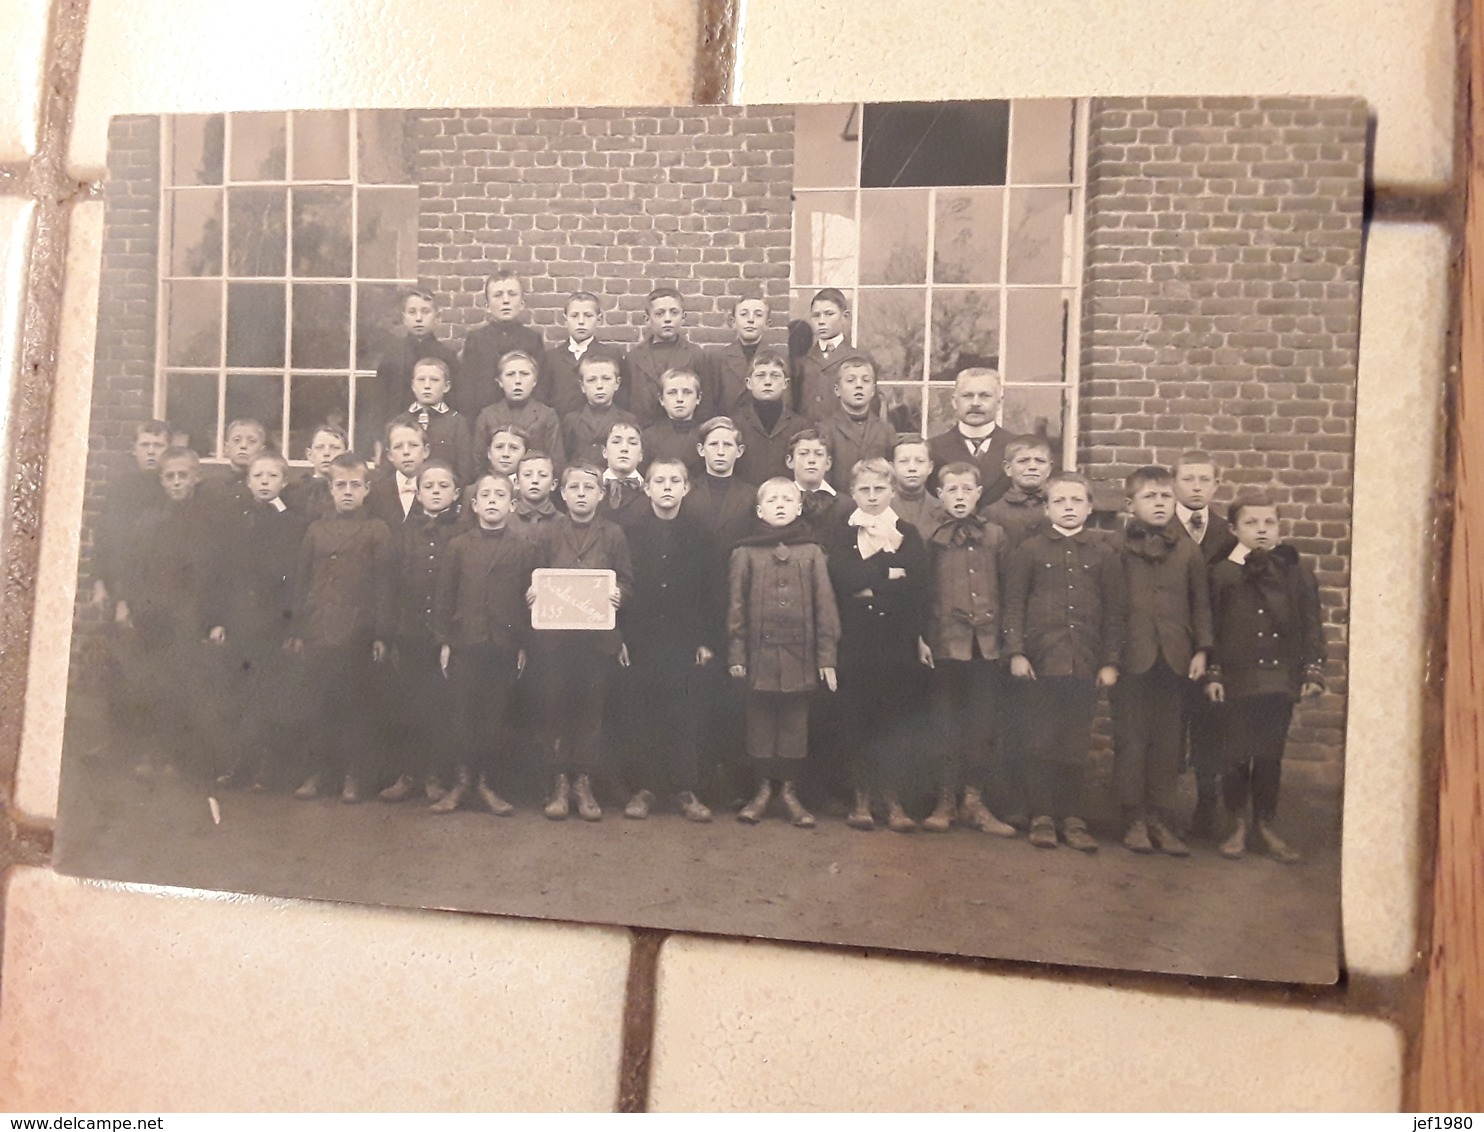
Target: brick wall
[[1221, 311], [615, 202]]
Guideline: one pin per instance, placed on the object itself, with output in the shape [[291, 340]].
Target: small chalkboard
[[572, 599]]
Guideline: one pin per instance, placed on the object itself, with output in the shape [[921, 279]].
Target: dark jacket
[[393, 385], [253, 587], [449, 439], [120, 549], [782, 622], [674, 440], [646, 363], [481, 593], [1269, 632], [344, 582], [1217, 539], [730, 367], [674, 585], [726, 510], [880, 630], [850, 440], [479, 379], [765, 451], [1168, 611], [1064, 603], [597, 545], [178, 559], [584, 432], [539, 420], [419, 545], [1017, 514], [951, 448], [968, 560], [384, 500], [814, 382], [310, 496], [560, 382]]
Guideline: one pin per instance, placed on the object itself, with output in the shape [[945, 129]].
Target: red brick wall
[[1220, 311], [615, 202]]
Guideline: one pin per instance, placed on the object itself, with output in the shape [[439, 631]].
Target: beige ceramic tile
[[1398, 54], [1399, 431], [51, 631], [177, 55], [754, 1026], [22, 60], [118, 1000], [15, 242]]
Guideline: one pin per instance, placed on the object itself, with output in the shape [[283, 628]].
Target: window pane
[[825, 240], [322, 145], [1038, 225], [966, 241], [1041, 141], [966, 331], [196, 152], [321, 331], [908, 144], [387, 223], [259, 397], [903, 405], [892, 330], [193, 324], [387, 152], [315, 400], [378, 315], [255, 324], [190, 407], [322, 232], [195, 231], [256, 243], [258, 147], [1035, 349], [1036, 409], [893, 239], [826, 146]]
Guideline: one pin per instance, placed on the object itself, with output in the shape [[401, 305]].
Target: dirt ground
[[959, 893]]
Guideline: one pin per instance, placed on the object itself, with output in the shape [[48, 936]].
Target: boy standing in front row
[[1270, 649], [1167, 638], [1063, 634]]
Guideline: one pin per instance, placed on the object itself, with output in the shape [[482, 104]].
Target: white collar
[[830, 345], [278, 504], [1066, 533], [977, 433], [823, 486], [418, 407], [406, 484], [609, 475], [576, 348], [1239, 554]]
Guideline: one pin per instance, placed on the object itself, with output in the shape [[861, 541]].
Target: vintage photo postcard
[[919, 526]]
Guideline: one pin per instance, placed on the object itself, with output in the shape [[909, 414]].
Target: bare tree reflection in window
[[893, 331], [197, 147], [195, 231], [259, 147], [966, 331], [257, 240], [386, 147], [322, 237]]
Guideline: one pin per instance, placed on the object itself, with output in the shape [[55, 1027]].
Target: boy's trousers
[[1148, 717], [878, 726], [342, 725], [482, 681], [966, 703], [573, 679], [777, 733], [1256, 730], [422, 730], [1059, 716], [662, 719]]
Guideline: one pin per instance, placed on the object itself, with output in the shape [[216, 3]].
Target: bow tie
[[616, 487], [1197, 522], [959, 532]]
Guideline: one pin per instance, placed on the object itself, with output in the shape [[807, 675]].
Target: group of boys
[[816, 603]]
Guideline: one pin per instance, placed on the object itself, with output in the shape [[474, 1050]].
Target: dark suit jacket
[[880, 630], [1169, 599], [481, 594], [560, 384], [392, 388], [384, 501], [950, 448], [766, 450], [1064, 603], [486, 344], [729, 370], [1217, 540], [646, 363]]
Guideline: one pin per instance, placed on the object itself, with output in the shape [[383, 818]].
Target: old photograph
[[913, 526]]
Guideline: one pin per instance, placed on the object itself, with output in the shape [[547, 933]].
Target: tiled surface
[[22, 51], [15, 240], [752, 1026], [1398, 54], [51, 631], [1399, 431], [124, 1001], [177, 55]]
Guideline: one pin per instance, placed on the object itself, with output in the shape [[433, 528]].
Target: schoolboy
[[766, 422], [783, 630], [342, 616], [665, 634], [479, 364], [584, 430], [725, 503], [963, 635], [250, 599], [1196, 479], [508, 445], [225, 492], [1064, 628], [975, 435], [879, 571], [911, 472], [393, 492], [574, 667], [1270, 653], [483, 628], [116, 543], [161, 611], [535, 479], [730, 364], [517, 407], [829, 318], [624, 495], [311, 494], [394, 371], [666, 348], [853, 432], [1166, 643], [447, 429], [561, 381], [1021, 511], [809, 462], [676, 437], [419, 737]]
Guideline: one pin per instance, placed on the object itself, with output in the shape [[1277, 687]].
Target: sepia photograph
[[909, 526]]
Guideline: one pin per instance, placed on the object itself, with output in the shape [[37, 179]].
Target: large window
[[286, 237], [955, 230]]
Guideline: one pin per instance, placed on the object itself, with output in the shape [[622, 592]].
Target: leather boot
[[350, 794], [941, 819], [860, 817], [561, 802], [398, 791], [1236, 843], [497, 805], [451, 800], [976, 814], [896, 818], [1277, 848], [796, 812], [638, 807], [587, 806], [692, 808], [310, 789], [752, 813]]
